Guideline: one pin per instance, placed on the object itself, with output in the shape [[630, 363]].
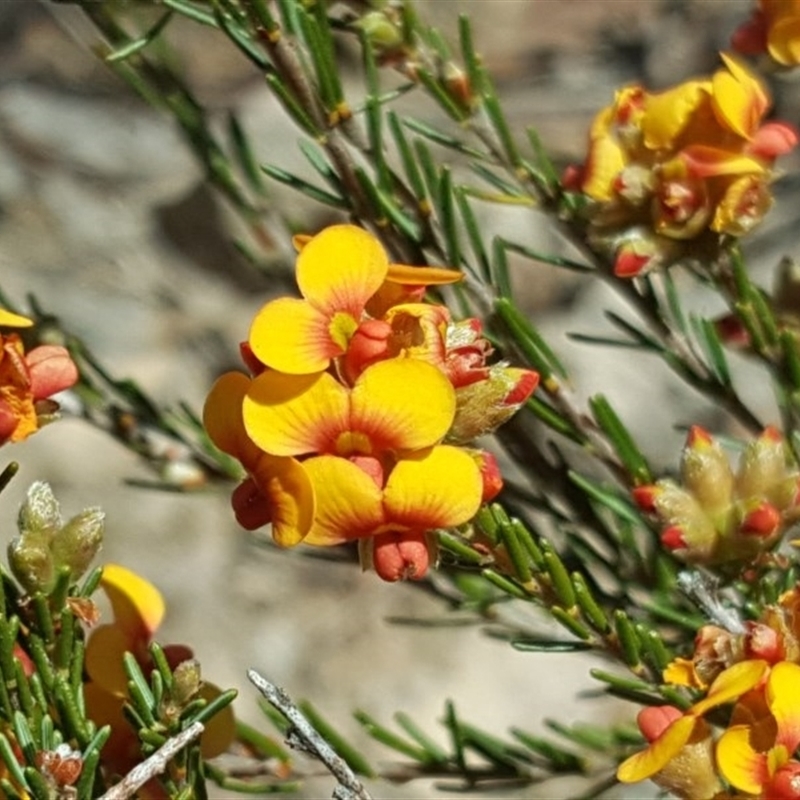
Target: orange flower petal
[[783, 40], [668, 113], [340, 269], [137, 605], [287, 486], [739, 99], [348, 501], [436, 489], [653, 759], [220, 729], [293, 336], [732, 684], [104, 651], [289, 415], [222, 417], [739, 763], [783, 698], [703, 161], [422, 276], [402, 404]]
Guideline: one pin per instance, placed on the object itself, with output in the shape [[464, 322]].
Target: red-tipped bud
[[699, 437], [654, 720], [730, 330], [572, 178], [674, 538], [645, 497], [401, 556], [490, 475], [762, 521], [761, 641], [628, 264]]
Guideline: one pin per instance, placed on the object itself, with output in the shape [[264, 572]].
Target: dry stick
[[154, 765], [303, 736]]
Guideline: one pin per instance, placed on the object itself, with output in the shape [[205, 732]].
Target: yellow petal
[[348, 501], [648, 762], [422, 276], [104, 651], [783, 698], [9, 319], [682, 672], [287, 486], [739, 98], [402, 404], [340, 269], [293, 336], [435, 489], [605, 162], [739, 763], [138, 606], [668, 113], [783, 40], [288, 415], [732, 684], [222, 417]]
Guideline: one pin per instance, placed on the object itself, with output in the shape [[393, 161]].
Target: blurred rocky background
[[105, 218]]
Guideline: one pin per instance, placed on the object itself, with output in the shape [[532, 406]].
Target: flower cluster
[[361, 396], [716, 516], [755, 675], [28, 379], [773, 28], [670, 171]]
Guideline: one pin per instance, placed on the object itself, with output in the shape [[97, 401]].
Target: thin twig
[[154, 765], [303, 736]]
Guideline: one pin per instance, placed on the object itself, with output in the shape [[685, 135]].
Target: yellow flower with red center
[[28, 379], [138, 609], [668, 167], [339, 271], [773, 28], [679, 756], [360, 397], [755, 753]]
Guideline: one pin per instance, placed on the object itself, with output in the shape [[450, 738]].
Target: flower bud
[[39, 512], [483, 406], [705, 471], [763, 521], [763, 465], [381, 32], [31, 563], [79, 541], [369, 343], [185, 682]]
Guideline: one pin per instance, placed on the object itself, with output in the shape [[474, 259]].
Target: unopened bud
[[381, 32], [706, 472], [31, 563], [79, 541], [186, 682], [39, 511], [763, 465], [483, 406]]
